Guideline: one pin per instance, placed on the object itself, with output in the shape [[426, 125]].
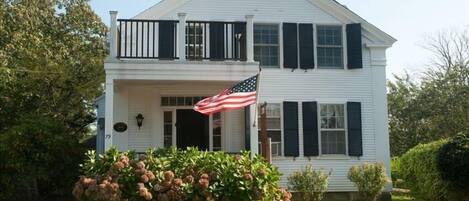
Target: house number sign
[[120, 127]]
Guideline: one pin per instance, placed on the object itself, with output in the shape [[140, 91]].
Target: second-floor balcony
[[181, 40]]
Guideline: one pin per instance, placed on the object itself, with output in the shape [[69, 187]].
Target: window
[[195, 41], [266, 47], [329, 47], [180, 101], [168, 129], [274, 130], [333, 136], [216, 131]]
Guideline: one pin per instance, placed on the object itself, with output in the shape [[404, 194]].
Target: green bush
[[453, 164], [418, 169], [310, 183], [370, 179], [39, 160], [170, 174]]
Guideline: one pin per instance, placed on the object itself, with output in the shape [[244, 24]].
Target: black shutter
[[310, 129], [306, 46], [247, 129], [354, 46], [290, 129], [217, 46], [166, 40], [354, 122], [290, 45]]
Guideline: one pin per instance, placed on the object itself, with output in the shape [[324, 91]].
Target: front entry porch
[[170, 121]]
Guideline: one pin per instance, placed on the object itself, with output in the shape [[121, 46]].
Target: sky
[[411, 22]]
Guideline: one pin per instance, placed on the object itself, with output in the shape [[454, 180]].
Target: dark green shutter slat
[[354, 122], [310, 129], [217, 46], [306, 46], [354, 46], [290, 45], [290, 129], [166, 40], [247, 129]]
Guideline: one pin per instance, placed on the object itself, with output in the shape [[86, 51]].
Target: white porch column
[[109, 117], [254, 138], [182, 36], [378, 69], [113, 35], [250, 38]]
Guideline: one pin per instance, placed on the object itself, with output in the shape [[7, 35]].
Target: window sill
[[333, 157]]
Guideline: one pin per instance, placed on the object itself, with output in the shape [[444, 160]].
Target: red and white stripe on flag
[[225, 101], [239, 96]]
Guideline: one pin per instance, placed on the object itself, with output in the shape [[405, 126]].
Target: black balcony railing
[[204, 40], [147, 39]]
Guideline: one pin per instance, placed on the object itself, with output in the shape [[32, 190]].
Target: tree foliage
[[436, 106], [453, 164], [51, 69]]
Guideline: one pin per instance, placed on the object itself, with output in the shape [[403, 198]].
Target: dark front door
[[192, 129]]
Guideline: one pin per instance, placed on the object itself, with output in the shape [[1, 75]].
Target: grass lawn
[[401, 198]]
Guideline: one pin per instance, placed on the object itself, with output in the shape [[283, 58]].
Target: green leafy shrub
[[170, 174], [370, 179], [453, 164], [310, 183], [418, 169]]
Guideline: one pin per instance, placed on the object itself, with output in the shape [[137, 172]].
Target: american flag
[[236, 97]]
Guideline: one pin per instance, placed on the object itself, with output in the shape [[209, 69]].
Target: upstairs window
[[333, 135], [266, 45], [330, 47]]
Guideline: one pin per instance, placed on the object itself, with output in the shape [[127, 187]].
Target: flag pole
[[257, 96]]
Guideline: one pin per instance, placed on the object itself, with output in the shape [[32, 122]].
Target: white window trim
[[346, 155], [344, 47], [279, 44]]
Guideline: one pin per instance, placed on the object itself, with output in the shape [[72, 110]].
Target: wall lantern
[[139, 120]]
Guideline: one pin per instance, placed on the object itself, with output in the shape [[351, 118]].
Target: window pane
[[216, 141], [168, 128], [266, 55], [216, 132], [333, 142], [168, 142], [330, 57], [332, 116], [330, 35]]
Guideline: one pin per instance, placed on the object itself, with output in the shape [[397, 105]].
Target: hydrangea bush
[[170, 174]]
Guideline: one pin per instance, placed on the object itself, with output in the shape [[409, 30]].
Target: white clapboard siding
[[236, 10]]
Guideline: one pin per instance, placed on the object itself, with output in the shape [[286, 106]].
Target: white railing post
[[182, 36], [113, 35], [250, 38]]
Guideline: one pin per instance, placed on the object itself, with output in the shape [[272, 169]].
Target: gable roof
[[332, 7]]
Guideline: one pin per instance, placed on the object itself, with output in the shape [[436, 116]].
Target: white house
[[323, 77]]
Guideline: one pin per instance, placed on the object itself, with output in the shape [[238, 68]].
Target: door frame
[[173, 110]]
